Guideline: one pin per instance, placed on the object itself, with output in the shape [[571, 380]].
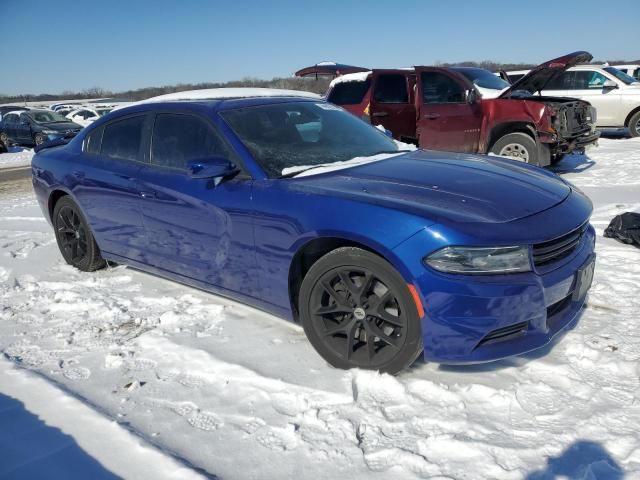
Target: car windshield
[[43, 116], [304, 134], [483, 78], [620, 75]]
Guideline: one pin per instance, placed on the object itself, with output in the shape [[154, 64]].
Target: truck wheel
[[634, 125], [518, 146]]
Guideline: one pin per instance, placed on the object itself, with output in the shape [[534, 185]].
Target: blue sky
[[59, 45]]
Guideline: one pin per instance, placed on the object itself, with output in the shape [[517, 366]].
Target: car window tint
[[122, 139], [391, 88], [93, 141], [178, 139], [349, 93], [588, 79], [560, 82], [440, 88]]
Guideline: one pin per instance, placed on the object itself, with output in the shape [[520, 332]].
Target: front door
[[23, 129], [200, 228], [392, 104], [445, 120]]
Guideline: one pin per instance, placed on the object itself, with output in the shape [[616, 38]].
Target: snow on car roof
[[350, 77], [223, 93]]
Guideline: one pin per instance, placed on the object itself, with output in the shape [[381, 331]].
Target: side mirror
[[471, 96], [214, 167], [609, 84]]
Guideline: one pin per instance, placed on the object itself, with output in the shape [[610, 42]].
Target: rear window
[[349, 93], [122, 139]]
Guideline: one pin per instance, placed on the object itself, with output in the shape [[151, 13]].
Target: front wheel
[[634, 125], [357, 312], [38, 138], [517, 146], [74, 237]]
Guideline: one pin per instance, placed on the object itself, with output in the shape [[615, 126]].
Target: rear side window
[[349, 93], [178, 139], [391, 88], [440, 88], [560, 82], [93, 141], [122, 139]]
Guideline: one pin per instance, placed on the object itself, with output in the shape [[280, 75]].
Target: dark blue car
[[299, 208]]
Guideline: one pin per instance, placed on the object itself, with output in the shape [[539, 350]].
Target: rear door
[[446, 121], [106, 185], [392, 103], [9, 121], [194, 227]]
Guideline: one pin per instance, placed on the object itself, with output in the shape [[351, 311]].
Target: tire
[[38, 138], [74, 237], [357, 312], [518, 146], [4, 139], [634, 125]]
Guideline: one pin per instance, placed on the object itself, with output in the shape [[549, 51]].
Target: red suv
[[463, 109]]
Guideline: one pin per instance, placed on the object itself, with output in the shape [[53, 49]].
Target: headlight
[[50, 132], [474, 260]]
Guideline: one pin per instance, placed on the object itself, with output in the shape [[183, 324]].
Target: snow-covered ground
[[17, 157], [198, 381]]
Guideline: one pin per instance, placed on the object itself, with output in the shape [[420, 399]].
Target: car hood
[[540, 76], [61, 127], [445, 187]]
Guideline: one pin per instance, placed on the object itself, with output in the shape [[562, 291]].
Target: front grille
[[558, 248], [504, 333]]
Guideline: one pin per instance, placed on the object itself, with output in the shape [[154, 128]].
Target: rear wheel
[[634, 125], [357, 311], [4, 139], [517, 146], [74, 237]]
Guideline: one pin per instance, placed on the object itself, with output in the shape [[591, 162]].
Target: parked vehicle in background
[[614, 94], [512, 76], [471, 110], [11, 108], [85, 116], [33, 127], [631, 70], [476, 260]]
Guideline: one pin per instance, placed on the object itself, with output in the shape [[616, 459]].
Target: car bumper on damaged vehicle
[[481, 318]]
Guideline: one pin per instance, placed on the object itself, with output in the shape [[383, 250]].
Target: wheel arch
[[631, 114], [54, 196], [502, 129], [311, 250]]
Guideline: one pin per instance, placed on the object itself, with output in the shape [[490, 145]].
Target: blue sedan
[[296, 207]]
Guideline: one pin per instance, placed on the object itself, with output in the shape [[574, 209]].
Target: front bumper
[[474, 319]]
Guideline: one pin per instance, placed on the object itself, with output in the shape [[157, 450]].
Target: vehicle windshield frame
[[482, 74], [620, 75], [274, 157]]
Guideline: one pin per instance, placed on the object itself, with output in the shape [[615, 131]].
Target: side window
[[24, 118], [560, 82], [440, 88], [636, 73], [10, 118], [93, 141], [588, 79], [178, 139], [349, 93], [122, 139], [391, 88]]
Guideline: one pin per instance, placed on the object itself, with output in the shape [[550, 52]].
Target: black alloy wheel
[[74, 237], [358, 312]]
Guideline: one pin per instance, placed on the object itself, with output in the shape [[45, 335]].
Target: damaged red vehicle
[[462, 109]]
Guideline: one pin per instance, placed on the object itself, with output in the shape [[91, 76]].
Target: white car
[[614, 94], [85, 116], [631, 70]]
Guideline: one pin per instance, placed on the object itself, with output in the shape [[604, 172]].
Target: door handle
[[147, 194], [432, 116], [380, 114]]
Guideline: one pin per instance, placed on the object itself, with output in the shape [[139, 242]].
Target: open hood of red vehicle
[[329, 69], [541, 75]]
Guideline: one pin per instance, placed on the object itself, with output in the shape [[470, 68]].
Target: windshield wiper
[[298, 172]]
